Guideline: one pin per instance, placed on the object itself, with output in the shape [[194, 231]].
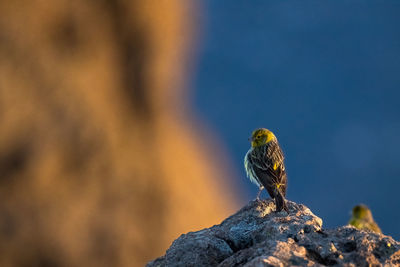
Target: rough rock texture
[[258, 236]]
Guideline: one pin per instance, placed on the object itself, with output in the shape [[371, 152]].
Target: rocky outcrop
[[258, 236]]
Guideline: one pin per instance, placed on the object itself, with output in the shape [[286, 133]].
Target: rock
[[258, 236]]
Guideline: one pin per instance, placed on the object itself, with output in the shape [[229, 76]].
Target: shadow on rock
[[258, 236]]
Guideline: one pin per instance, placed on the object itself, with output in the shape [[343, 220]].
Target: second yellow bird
[[362, 219]]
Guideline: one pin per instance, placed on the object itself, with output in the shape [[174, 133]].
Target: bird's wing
[[266, 172], [267, 176], [270, 163], [374, 227]]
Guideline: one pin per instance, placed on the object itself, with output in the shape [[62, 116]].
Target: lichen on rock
[[258, 236]]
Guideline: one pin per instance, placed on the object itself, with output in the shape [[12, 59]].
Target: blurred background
[[124, 124]]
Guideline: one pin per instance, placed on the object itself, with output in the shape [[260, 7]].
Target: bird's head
[[361, 212], [261, 137]]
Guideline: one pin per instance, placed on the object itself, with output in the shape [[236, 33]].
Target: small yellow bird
[[362, 219], [264, 166]]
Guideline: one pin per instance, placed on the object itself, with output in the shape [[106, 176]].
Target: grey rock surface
[[258, 236]]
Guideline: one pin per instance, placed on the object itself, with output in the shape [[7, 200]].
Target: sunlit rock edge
[[258, 236]]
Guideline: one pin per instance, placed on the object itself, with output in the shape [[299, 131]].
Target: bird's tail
[[280, 202]]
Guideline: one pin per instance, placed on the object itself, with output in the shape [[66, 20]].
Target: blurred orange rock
[[101, 162]]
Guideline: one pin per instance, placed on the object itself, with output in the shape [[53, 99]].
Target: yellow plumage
[[362, 219], [264, 166]]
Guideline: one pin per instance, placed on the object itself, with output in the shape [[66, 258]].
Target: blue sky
[[325, 77]]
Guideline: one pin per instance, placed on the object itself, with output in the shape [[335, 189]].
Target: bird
[[362, 219], [265, 167]]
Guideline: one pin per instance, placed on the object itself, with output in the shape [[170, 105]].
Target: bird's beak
[[250, 139]]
